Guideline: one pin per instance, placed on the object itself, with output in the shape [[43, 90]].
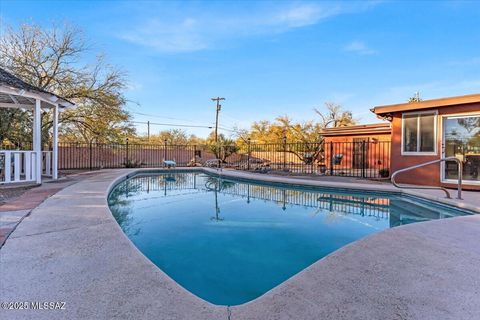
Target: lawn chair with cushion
[[170, 163], [210, 163], [337, 159]]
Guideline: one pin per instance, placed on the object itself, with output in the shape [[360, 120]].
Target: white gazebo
[[17, 166]]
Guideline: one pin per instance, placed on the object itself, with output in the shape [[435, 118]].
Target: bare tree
[[50, 58], [335, 116]]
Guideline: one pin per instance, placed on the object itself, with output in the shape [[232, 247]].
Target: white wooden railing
[[17, 166], [47, 163]]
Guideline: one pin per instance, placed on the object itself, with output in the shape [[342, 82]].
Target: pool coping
[[286, 301]]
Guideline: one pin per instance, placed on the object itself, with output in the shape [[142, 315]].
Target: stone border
[[70, 248]]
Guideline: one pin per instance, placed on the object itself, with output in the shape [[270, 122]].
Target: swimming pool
[[228, 241]]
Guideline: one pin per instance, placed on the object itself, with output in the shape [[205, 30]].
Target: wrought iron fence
[[356, 159], [99, 155]]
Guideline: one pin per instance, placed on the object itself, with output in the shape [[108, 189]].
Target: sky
[[272, 58]]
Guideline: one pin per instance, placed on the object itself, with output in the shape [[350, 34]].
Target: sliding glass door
[[462, 140]]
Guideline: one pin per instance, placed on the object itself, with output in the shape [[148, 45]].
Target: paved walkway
[[70, 249], [13, 211]]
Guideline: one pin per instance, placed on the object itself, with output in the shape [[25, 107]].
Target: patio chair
[[212, 163], [337, 159], [264, 168], [170, 163]]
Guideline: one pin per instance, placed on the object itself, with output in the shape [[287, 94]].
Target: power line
[[182, 119], [231, 117], [172, 124], [157, 116], [148, 123], [228, 129], [180, 125]]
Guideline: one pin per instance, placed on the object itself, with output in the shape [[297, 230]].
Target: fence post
[[219, 151], [284, 153], [194, 155], [248, 154], [363, 159], [126, 160], [312, 157], [165, 149], [91, 156], [331, 158]]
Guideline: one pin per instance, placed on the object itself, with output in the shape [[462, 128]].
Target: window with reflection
[[462, 140], [419, 132]]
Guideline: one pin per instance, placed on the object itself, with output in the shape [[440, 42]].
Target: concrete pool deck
[[70, 249]]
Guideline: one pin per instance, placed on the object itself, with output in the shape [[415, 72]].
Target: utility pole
[[148, 131], [219, 106]]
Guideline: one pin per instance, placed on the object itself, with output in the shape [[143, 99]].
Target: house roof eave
[[426, 104]]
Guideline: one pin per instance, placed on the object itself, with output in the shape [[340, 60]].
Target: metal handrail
[[459, 183]]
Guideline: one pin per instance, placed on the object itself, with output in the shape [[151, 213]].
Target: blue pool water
[[229, 242]]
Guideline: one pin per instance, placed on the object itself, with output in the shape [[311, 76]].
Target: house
[[360, 150], [20, 166], [433, 129]]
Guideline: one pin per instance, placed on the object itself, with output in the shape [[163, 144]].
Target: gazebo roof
[[16, 93]]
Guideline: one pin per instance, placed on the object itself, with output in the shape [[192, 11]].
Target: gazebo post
[[37, 140], [27, 165], [55, 143]]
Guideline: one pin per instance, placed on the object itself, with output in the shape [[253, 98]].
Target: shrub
[[132, 164], [384, 173]]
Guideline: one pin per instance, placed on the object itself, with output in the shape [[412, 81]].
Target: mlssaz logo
[[59, 305]]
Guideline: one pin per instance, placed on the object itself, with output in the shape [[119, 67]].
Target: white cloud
[[178, 31], [303, 15], [359, 47], [166, 37]]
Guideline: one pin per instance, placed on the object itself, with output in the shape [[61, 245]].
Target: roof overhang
[[388, 110], [364, 129], [11, 97]]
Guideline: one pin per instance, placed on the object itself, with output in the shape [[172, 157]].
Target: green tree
[[172, 137], [50, 58], [223, 147], [304, 139]]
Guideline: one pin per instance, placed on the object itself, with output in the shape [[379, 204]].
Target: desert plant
[[384, 173], [132, 163]]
